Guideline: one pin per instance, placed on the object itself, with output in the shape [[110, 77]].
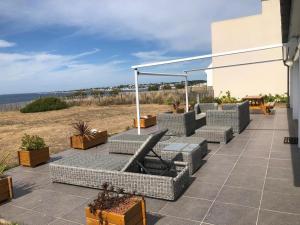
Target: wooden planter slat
[[34, 157], [146, 122], [136, 215], [83, 142], [6, 189]]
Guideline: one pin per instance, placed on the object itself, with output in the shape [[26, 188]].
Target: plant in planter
[[85, 137], [114, 207], [177, 108], [6, 189], [33, 151]]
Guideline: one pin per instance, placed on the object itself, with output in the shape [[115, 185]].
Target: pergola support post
[[137, 100], [186, 95]]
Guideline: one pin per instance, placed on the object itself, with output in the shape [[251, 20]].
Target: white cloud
[[6, 44], [172, 24], [42, 71]]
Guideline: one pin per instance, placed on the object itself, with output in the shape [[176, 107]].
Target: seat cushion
[[96, 161]]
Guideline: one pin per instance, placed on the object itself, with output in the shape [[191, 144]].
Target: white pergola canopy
[[185, 73]]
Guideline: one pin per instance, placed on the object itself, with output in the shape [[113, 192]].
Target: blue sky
[[53, 45]]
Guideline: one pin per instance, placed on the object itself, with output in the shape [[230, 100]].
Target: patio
[[254, 179]]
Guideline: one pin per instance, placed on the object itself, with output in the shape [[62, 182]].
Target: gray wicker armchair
[[236, 116], [178, 124], [200, 113]]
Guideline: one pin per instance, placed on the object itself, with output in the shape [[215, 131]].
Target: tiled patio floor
[[254, 179]]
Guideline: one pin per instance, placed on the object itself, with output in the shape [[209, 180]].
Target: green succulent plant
[[32, 142]]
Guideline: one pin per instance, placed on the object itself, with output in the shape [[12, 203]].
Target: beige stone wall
[[249, 32]]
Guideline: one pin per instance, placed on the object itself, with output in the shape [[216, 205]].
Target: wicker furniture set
[[187, 149], [158, 165], [167, 180]]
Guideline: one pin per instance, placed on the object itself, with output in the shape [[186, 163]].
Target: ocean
[[16, 98]]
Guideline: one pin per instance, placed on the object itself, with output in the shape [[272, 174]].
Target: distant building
[[243, 33]]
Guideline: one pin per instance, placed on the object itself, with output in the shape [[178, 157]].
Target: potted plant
[[177, 108], [85, 137], [146, 121], [114, 207], [33, 151], [6, 188]]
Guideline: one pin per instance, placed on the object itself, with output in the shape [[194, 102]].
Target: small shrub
[[153, 88], [167, 87], [32, 142], [179, 86], [44, 104], [228, 98]]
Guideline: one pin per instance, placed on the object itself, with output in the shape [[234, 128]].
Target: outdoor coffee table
[[190, 153], [221, 134]]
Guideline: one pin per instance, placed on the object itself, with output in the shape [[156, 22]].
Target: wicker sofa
[[178, 124], [236, 116], [122, 171]]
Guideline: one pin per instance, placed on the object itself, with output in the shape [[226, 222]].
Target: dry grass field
[[56, 126]]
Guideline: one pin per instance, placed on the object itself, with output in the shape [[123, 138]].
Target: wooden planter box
[[82, 142], [146, 121], [34, 157], [136, 215], [6, 188]]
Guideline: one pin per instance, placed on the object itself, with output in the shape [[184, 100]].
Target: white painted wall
[[249, 32]]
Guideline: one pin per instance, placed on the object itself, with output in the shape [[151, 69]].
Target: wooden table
[[256, 103]]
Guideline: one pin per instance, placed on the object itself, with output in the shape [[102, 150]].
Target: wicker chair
[[236, 116], [93, 169], [200, 113], [177, 124]]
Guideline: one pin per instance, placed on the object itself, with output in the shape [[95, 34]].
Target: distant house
[[244, 33]]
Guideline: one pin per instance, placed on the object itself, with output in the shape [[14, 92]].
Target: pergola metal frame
[[185, 74]]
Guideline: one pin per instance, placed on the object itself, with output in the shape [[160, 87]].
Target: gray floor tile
[[203, 190], [282, 186], [230, 151], [241, 196], [252, 161], [212, 177], [283, 163], [33, 218], [256, 153], [71, 189], [187, 208], [31, 199], [281, 202], [9, 212], [280, 173], [214, 168], [58, 204], [259, 171], [63, 222], [222, 160], [276, 218], [156, 219], [250, 181], [77, 214], [154, 205], [227, 214]]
